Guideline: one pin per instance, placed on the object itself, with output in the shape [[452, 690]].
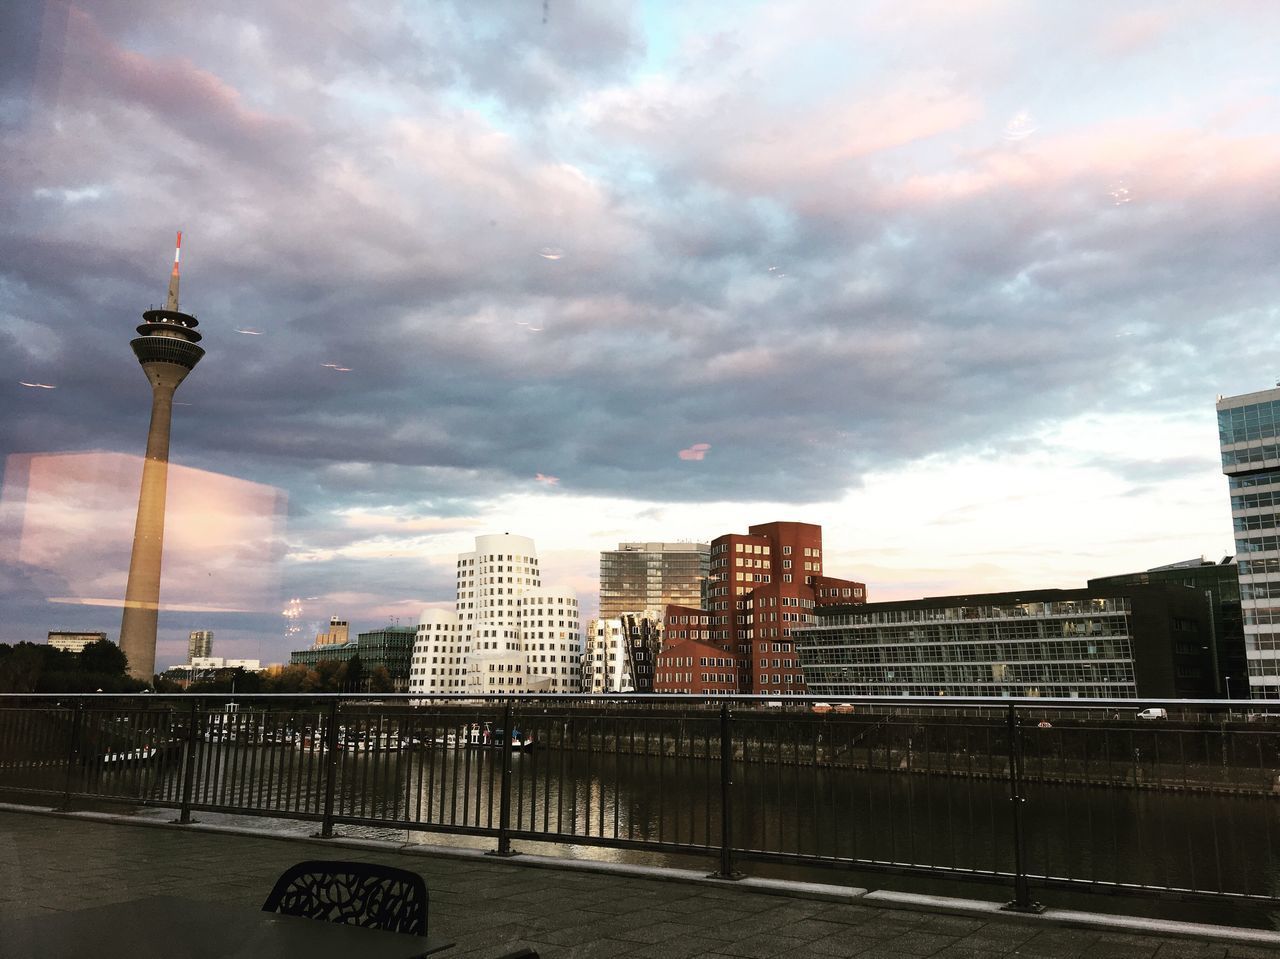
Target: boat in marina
[[485, 736]]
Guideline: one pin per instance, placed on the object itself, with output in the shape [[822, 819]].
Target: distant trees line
[[40, 668], [328, 676], [103, 667]]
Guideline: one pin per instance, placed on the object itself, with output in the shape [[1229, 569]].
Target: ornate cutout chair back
[[354, 893]]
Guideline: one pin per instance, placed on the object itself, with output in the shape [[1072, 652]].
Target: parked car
[[822, 707], [1153, 712]]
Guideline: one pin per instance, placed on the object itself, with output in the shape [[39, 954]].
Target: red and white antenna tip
[[177, 253]]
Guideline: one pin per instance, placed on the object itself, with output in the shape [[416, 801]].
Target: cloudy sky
[[958, 279]]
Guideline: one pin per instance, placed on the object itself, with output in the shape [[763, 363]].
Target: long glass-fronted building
[[1247, 433], [1114, 643]]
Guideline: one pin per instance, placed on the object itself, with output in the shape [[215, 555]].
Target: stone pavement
[[492, 906]]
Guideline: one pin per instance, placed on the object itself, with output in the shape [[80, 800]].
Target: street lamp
[[1228, 679]]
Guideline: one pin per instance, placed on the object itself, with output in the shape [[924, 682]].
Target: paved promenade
[[492, 906]]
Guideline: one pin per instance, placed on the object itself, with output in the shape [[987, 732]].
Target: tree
[[380, 681], [37, 667], [352, 678], [291, 679], [104, 656], [328, 675]]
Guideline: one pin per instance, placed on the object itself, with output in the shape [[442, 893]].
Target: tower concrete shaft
[[166, 348]]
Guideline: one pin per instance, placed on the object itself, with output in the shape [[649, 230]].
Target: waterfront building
[[208, 667], [621, 653], [648, 576], [390, 648], [551, 639], [761, 586], [696, 666], [1115, 642], [72, 642], [1219, 584], [507, 632], [439, 654], [339, 633], [166, 348], [199, 644], [1247, 433]]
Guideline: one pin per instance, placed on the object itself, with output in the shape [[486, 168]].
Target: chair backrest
[[353, 893]]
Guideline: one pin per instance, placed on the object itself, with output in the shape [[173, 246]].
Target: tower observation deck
[[166, 348]]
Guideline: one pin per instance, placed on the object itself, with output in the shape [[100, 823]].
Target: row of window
[[1250, 456], [1254, 480], [947, 674], [1025, 652], [1255, 500], [1069, 607], [1254, 421], [1259, 567], [1255, 521]]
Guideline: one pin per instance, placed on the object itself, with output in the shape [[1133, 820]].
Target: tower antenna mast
[[172, 302]]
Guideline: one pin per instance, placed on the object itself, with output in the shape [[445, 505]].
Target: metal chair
[[352, 893]]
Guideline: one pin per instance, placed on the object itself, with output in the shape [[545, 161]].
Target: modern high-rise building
[[639, 576], [199, 644], [507, 633], [762, 585], [166, 348], [1249, 436]]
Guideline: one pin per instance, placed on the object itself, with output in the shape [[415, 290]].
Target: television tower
[[166, 348]]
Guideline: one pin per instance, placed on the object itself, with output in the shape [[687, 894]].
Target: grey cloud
[[347, 192]]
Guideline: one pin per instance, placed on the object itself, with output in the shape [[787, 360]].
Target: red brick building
[[695, 666], [761, 586]]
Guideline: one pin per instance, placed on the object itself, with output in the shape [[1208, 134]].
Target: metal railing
[[1032, 793]]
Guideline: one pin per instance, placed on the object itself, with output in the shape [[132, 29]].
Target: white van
[[1153, 712]]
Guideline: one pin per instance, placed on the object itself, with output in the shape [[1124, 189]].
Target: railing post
[[726, 798], [330, 770], [1022, 901], [189, 763], [73, 754], [504, 809]]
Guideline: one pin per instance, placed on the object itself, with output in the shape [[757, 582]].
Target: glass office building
[[637, 577], [1118, 643], [1251, 460]]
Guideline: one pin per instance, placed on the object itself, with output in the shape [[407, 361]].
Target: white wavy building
[[506, 634]]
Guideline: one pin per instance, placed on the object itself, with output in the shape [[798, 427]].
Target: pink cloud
[[695, 452], [183, 96]]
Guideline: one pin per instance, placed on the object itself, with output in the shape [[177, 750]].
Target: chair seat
[[353, 893]]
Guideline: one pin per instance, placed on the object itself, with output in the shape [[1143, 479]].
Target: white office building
[[1247, 431], [440, 652], [507, 633], [605, 665]]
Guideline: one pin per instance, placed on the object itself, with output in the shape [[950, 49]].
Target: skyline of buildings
[[761, 586], [743, 580]]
